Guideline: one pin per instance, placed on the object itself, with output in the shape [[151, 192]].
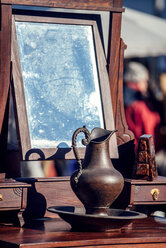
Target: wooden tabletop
[[53, 232]]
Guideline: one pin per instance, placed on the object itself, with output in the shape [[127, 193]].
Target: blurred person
[[141, 116]]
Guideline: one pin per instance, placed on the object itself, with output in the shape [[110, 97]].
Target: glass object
[[60, 79]]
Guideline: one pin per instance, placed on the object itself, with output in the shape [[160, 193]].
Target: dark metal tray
[[80, 221]]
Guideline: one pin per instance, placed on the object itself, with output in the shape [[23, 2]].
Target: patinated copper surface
[[96, 183], [79, 221]]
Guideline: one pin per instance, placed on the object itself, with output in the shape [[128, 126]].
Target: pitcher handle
[[85, 142]]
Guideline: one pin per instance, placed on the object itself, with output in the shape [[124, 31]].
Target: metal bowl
[[80, 221]]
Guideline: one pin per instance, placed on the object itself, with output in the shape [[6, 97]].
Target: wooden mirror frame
[[28, 152], [114, 56]]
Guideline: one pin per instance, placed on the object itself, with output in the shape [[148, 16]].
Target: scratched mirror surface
[[60, 78]]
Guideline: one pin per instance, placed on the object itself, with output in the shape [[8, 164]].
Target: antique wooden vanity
[[27, 199]]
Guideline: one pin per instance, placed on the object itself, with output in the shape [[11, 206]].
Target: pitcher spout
[[99, 135]]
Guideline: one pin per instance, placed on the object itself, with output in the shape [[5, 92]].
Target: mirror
[[61, 97], [60, 83]]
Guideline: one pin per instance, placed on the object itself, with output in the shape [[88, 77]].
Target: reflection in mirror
[[60, 79]]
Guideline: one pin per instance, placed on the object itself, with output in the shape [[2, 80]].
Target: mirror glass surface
[[60, 79]]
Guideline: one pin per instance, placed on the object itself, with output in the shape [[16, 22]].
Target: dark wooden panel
[[5, 54], [12, 195], [57, 194], [140, 192], [124, 135], [107, 5], [147, 233], [114, 55], [10, 198], [118, 3], [143, 193], [125, 138], [115, 69], [47, 192]]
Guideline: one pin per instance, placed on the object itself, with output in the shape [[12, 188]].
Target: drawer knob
[[1, 197], [155, 194]]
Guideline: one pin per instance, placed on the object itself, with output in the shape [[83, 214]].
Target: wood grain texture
[[13, 195], [18, 95], [118, 3], [147, 233], [5, 54], [47, 192], [115, 69], [105, 5], [139, 193], [113, 55], [124, 134]]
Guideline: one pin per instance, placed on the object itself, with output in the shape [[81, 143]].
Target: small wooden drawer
[[150, 193], [13, 195], [10, 197], [142, 192]]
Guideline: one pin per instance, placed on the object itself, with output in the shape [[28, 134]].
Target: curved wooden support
[[124, 134], [115, 69]]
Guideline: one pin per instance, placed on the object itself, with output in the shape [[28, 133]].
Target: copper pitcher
[[96, 183]]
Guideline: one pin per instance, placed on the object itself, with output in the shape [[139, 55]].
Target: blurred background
[[143, 30]]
